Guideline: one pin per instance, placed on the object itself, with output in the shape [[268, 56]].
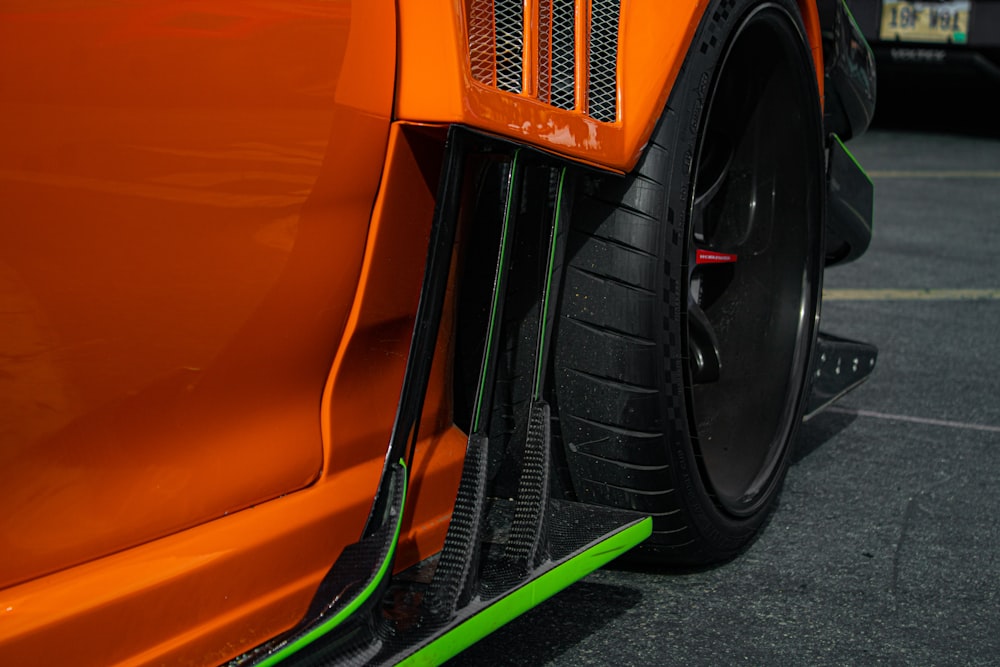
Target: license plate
[[934, 22]]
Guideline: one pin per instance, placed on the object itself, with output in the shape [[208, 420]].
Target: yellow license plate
[[935, 22]]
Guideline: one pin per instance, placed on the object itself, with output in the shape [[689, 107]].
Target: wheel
[[691, 295]]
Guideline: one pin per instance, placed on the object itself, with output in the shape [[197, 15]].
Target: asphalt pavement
[[885, 546]]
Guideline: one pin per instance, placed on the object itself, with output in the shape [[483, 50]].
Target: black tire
[[734, 166]]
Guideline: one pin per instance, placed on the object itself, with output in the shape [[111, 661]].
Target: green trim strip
[[531, 594], [849, 154], [308, 638], [507, 214], [854, 22], [548, 283]]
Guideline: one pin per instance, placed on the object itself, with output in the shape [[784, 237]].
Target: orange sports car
[[348, 330]]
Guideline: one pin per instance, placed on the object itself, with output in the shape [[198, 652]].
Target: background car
[[938, 62], [958, 37]]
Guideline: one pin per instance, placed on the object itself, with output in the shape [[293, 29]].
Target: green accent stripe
[[853, 159], [531, 594], [542, 343], [507, 214], [938, 174], [308, 638]]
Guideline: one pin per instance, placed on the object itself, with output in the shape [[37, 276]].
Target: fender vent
[[602, 89], [563, 70], [509, 32], [542, 57]]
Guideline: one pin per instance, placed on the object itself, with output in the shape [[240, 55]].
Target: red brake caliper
[[709, 257]]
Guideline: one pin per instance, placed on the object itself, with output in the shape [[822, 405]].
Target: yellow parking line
[[910, 294], [934, 174]]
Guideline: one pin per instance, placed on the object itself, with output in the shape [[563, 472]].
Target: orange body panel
[[166, 228], [810, 17]]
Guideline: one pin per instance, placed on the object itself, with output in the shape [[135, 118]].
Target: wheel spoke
[[703, 347], [713, 172]]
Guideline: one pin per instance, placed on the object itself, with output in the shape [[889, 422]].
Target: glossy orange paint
[[161, 220], [436, 84], [810, 18]]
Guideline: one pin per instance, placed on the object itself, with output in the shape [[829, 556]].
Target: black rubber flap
[[839, 365]]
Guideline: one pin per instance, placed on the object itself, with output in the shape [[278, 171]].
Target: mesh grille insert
[[482, 47], [509, 44], [602, 89], [563, 54], [545, 50]]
